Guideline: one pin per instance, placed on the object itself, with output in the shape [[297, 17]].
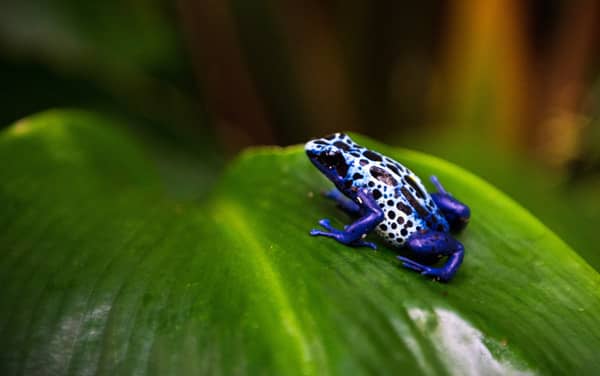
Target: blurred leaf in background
[[124, 58], [115, 56]]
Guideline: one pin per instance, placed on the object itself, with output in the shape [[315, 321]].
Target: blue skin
[[357, 178]]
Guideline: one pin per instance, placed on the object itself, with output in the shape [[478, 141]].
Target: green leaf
[[104, 271]]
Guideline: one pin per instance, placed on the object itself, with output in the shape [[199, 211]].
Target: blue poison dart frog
[[385, 196]]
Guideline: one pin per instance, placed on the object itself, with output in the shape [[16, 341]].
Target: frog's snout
[[309, 147], [314, 148], [312, 155]]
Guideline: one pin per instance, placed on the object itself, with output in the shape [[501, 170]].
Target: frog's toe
[[362, 243], [437, 184], [327, 225], [439, 274], [410, 264], [317, 232], [324, 222], [332, 233], [370, 245]]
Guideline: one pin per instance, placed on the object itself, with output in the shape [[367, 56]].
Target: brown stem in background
[[556, 139], [318, 62], [487, 70], [229, 91]]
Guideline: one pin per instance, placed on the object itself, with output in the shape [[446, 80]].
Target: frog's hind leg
[[434, 244], [354, 233], [456, 213], [343, 202]]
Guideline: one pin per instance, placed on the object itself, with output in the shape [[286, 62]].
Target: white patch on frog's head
[[336, 142], [460, 345]]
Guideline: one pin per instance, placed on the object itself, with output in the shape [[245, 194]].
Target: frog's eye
[[334, 161]]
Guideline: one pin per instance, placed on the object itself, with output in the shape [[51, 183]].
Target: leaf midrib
[[230, 213]]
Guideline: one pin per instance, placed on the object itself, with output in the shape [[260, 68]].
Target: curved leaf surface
[[103, 271]]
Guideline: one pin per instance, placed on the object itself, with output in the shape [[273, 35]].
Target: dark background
[[507, 89]]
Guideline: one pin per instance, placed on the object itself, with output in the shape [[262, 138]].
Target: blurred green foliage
[[119, 57]]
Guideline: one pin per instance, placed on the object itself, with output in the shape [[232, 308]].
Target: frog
[[384, 196]]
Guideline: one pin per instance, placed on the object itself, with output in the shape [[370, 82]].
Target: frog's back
[[406, 205]]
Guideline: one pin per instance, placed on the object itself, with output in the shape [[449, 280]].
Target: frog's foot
[[341, 236], [434, 244], [326, 224], [343, 202], [440, 274], [354, 233]]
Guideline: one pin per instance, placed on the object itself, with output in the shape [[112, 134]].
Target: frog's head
[[330, 155]]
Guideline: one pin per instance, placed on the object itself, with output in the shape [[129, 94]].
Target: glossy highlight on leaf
[[104, 271]]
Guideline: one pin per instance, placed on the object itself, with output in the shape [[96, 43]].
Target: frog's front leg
[[456, 213], [354, 233], [343, 202], [435, 244]]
